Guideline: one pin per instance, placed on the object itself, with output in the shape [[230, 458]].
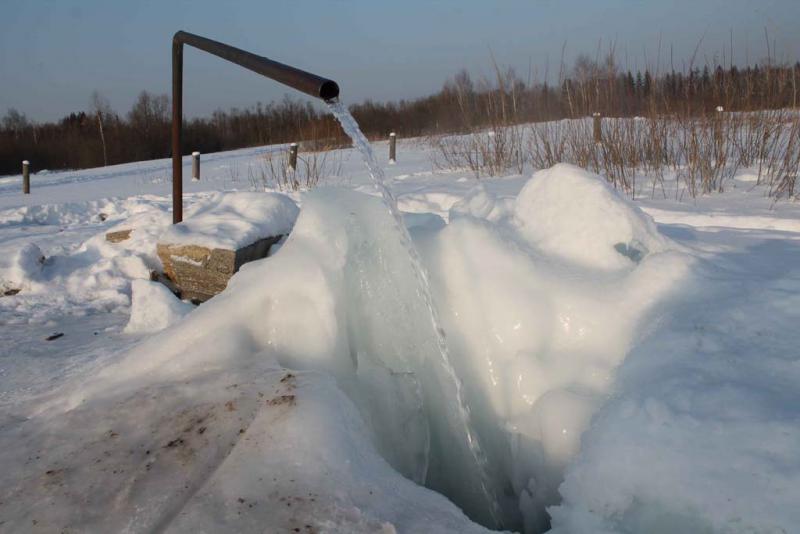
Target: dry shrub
[[488, 153], [494, 141], [704, 151], [274, 171]]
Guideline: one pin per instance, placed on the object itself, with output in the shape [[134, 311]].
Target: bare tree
[[99, 106]]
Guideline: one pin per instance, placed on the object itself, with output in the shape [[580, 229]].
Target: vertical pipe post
[[392, 147], [26, 178], [598, 127], [196, 166], [293, 156], [177, 126]]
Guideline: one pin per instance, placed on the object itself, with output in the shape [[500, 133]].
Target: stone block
[[199, 273], [118, 236]]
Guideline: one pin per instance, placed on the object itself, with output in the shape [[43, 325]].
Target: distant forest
[[99, 136]]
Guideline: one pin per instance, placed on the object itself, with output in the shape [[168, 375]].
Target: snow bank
[[568, 212], [702, 434], [234, 220], [154, 308]]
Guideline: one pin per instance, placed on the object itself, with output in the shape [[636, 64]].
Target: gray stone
[[116, 237], [199, 273]]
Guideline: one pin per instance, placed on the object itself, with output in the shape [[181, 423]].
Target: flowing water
[[466, 434]]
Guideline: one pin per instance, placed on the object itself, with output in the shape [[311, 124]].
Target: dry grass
[[703, 152], [274, 171]]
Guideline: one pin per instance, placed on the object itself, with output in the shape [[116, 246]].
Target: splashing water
[[467, 437]]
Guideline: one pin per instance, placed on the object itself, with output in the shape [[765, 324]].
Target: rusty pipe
[[303, 81]]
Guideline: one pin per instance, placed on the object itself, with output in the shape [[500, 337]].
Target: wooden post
[[196, 166], [26, 178], [718, 126], [293, 156], [392, 147], [598, 127]]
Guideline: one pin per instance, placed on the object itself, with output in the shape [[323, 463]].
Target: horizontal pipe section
[[303, 81]]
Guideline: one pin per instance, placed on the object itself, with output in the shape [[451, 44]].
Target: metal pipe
[[177, 131], [26, 178], [293, 156], [196, 166], [303, 81]]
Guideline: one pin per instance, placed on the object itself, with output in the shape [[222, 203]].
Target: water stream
[[462, 427]]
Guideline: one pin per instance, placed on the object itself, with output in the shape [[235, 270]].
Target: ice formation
[[535, 337]]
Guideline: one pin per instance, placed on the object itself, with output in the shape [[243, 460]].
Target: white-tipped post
[[26, 178], [293, 156], [717, 122], [597, 127], [392, 147], [196, 166]]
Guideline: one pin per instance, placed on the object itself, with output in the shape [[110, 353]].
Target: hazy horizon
[[53, 55]]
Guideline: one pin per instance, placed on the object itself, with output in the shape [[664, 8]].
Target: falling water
[[469, 438]]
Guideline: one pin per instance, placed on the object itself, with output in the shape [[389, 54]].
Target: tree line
[[99, 136]]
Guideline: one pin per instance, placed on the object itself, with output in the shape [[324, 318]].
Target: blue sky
[[53, 54]]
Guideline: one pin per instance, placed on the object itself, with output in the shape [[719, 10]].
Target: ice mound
[[573, 214], [234, 220], [536, 347], [153, 308], [202, 421]]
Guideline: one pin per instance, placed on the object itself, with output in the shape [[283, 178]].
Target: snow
[[20, 268], [570, 213], [234, 221], [153, 308], [630, 366]]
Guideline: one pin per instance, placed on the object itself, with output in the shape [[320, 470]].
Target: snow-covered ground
[[628, 366]]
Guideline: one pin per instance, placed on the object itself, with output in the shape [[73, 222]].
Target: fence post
[[392, 147], [26, 177], [196, 166], [598, 127], [293, 156], [718, 125]]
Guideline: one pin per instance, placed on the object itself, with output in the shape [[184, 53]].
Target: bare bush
[[274, 171], [704, 152], [488, 153]]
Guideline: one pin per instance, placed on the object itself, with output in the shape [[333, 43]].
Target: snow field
[[619, 380]]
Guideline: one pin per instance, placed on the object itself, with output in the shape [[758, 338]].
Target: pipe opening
[[328, 90]]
